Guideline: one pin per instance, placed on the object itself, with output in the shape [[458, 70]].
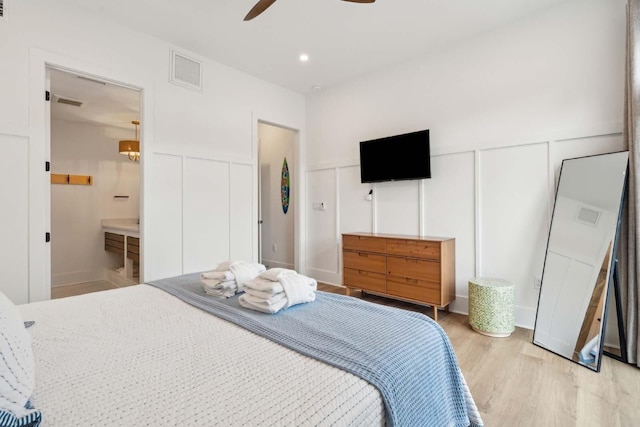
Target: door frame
[[292, 166], [39, 153], [297, 183]]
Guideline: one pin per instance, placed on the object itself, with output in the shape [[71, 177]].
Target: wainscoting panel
[[14, 191], [570, 148], [241, 243], [449, 210], [322, 251], [206, 214], [354, 208], [514, 192], [164, 229], [397, 207]]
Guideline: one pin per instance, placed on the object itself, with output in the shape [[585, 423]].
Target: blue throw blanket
[[405, 355]]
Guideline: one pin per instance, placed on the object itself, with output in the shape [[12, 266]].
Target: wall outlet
[[537, 282], [274, 248]]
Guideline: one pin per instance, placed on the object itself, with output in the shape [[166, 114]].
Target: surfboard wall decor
[[285, 184]]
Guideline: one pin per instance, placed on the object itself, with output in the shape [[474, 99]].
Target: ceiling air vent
[[68, 101], [3, 10], [185, 71], [588, 216]]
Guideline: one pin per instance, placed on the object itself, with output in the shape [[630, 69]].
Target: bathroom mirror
[[578, 267]]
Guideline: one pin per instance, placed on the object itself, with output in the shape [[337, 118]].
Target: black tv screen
[[395, 158]]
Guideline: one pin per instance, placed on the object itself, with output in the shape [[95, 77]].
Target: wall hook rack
[[57, 178]]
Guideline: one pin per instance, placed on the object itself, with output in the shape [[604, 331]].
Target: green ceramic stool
[[491, 306]]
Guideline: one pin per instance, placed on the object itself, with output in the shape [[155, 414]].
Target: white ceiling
[[102, 104], [344, 40]]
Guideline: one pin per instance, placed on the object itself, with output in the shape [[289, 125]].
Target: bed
[[143, 356]]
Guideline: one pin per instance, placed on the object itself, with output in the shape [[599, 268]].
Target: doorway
[[276, 195], [95, 190]]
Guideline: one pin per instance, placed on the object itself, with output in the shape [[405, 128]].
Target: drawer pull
[[412, 281], [363, 255]]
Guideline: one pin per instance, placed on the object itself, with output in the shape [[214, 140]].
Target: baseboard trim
[[76, 277], [276, 264]]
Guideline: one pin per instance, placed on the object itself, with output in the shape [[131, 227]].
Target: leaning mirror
[[578, 266]]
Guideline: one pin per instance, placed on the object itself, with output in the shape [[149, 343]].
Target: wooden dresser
[[412, 268]]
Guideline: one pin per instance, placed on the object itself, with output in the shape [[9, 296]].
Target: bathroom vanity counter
[[124, 226]]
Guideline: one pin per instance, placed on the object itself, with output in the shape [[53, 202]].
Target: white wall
[[180, 126], [276, 144], [77, 244], [503, 109]]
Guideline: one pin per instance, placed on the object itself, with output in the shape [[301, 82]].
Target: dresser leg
[[348, 292], [435, 313]]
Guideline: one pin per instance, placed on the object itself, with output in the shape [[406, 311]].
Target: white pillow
[[16, 360]]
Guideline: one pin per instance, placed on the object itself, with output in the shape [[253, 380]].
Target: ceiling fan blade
[[260, 7], [360, 1]]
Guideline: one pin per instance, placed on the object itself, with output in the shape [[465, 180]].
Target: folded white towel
[[260, 294], [274, 273], [218, 284], [244, 271], [218, 275], [264, 285], [299, 289], [220, 293], [269, 309], [268, 302]]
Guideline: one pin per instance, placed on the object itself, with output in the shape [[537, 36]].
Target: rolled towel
[[264, 285], [273, 273], [269, 309], [244, 271], [298, 288], [218, 275]]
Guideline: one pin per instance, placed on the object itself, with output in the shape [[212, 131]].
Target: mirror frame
[[612, 277]]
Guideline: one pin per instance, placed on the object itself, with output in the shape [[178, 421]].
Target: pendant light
[[131, 147]]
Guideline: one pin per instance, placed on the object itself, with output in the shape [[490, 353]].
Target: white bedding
[[138, 356]]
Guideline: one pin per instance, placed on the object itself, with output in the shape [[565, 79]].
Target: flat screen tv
[[396, 158]]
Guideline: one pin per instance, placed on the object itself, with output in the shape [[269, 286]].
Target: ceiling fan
[[262, 5]]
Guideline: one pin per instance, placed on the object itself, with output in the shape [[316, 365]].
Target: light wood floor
[[81, 288], [515, 383]]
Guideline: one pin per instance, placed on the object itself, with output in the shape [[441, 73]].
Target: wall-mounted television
[[396, 158]]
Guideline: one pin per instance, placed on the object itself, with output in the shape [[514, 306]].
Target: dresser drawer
[[420, 291], [363, 243], [364, 280], [414, 268], [364, 261], [414, 248]]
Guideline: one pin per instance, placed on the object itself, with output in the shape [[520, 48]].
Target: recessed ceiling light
[[304, 57], [316, 87]]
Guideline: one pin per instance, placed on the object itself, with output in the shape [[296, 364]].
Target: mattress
[[139, 356]]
